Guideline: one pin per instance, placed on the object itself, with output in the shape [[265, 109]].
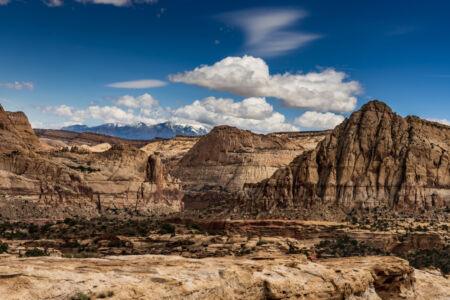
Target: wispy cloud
[[18, 85], [53, 3], [117, 2], [138, 84], [268, 30], [401, 30]]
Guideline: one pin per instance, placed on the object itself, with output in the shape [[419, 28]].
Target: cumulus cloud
[[18, 85], [138, 84], [442, 121], [248, 76], [267, 30], [252, 113], [144, 101], [4, 2], [314, 119], [107, 114]]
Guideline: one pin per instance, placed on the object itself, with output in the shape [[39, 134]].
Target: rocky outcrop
[[172, 277], [373, 158], [79, 181], [171, 150], [20, 122], [227, 157]]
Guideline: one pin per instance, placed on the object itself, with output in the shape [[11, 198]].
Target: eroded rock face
[[172, 277], [373, 158], [227, 157], [76, 179]]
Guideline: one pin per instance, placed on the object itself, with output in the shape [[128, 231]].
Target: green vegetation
[[345, 247], [439, 258], [104, 295], [35, 252], [3, 247], [167, 228], [80, 296]]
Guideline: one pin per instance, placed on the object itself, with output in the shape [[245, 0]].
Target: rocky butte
[[374, 158]]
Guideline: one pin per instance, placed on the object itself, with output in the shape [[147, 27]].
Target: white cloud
[[267, 31], [248, 76], [252, 113], [18, 85], [117, 2], [314, 119], [106, 114], [144, 101], [53, 3], [62, 110], [4, 2], [37, 125], [138, 84], [442, 121]]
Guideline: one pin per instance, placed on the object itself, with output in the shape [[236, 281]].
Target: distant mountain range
[[141, 131]]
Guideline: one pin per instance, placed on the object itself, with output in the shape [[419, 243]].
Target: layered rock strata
[[374, 158], [228, 157], [118, 178]]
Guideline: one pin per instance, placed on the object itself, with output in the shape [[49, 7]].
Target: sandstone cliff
[[373, 158], [227, 157], [77, 181]]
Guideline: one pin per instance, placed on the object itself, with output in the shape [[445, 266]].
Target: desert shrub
[[35, 252], [107, 294], [439, 258], [3, 247], [166, 228], [80, 296], [117, 243], [345, 247]]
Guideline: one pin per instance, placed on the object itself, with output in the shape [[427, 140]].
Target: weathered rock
[[170, 277], [374, 158], [227, 157], [79, 180]]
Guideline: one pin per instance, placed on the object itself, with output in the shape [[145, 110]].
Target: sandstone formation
[[171, 150], [76, 181], [374, 158], [227, 157], [172, 277]]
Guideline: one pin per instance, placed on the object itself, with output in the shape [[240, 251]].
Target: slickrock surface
[[169, 277], [227, 157], [76, 182], [374, 158]]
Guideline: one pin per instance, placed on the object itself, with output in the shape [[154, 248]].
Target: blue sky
[[59, 59]]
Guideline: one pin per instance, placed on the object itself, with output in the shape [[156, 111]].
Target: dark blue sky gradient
[[398, 50]]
